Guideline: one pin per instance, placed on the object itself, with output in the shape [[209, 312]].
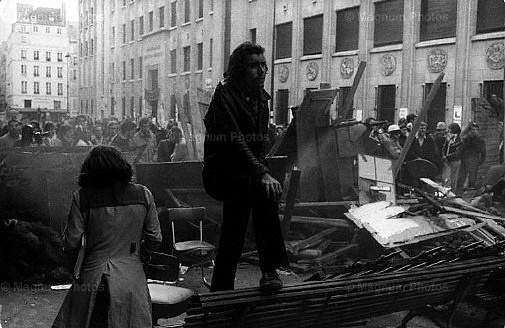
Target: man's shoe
[[270, 281]]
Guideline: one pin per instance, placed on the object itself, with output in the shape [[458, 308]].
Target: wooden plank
[[471, 213], [294, 182], [317, 237], [332, 255], [322, 221], [350, 95], [417, 123], [324, 205], [329, 163]]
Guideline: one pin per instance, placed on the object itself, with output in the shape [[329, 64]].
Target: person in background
[[236, 171], [167, 145], [473, 154], [451, 156], [404, 133], [112, 131], [117, 217], [14, 134], [390, 142], [180, 152], [370, 138], [51, 139], [97, 138], [440, 137], [122, 140], [144, 142], [423, 146], [67, 135]]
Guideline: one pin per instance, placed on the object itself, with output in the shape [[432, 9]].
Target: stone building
[[36, 72]]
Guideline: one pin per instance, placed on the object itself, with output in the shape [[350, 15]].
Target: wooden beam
[[350, 96], [322, 221], [417, 123], [324, 205], [312, 240], [294, 182]]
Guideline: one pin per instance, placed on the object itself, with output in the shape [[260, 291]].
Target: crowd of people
[[150, 141], [454, 153]]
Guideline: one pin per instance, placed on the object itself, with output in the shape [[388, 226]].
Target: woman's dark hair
[[103, 167], [238, 60]]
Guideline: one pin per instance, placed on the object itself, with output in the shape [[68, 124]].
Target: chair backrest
[[186, 214], [163, 267]]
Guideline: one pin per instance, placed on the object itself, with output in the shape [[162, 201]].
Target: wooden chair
[[193, 250]]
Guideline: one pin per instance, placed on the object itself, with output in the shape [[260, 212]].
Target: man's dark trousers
[[267, 230]]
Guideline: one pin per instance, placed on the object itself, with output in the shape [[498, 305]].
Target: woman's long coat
[[119, 218]]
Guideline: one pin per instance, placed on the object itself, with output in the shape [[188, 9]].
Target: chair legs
[[204, 280]]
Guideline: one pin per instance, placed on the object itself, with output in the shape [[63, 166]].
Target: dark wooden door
[[436, 112], [386, 102]]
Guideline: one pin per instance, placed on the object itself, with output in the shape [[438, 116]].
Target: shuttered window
[[490, 16], [438, 19], [388, 23], [283, 39], [313, 35], [347, 29]]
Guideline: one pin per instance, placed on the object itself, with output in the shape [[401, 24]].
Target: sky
[[72, 6]]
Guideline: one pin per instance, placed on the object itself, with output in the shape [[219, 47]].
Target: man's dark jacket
[[234, 148], [428, 151]]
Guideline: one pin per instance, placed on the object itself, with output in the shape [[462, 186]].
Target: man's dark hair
[[104, 166], [238, 60]]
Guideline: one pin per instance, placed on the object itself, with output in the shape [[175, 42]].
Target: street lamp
[[67, 56]]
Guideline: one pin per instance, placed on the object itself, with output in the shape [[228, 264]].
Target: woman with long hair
[[117, 217]]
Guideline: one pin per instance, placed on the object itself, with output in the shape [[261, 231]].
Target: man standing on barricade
[[236, 172]]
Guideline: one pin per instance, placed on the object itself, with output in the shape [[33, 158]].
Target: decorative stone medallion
[[388, 64], [437, 60], [347, 67], [312, 71], [495, 55], [283, 73]]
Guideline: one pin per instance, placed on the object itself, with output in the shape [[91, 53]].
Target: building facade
[[142, 57], [36, 71]]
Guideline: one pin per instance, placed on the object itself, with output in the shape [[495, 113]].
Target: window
[[74, 74], [86, 47], [24, 87], [23, 28], [23, 69], [443, 27], [124, 3], [60, 71], [132, 30], [140, 67], [48, 56], [23, 54], [282, 109], [211, 6], [123, 106], [112, 71], [140, 105], [252, 33], [124, 33], [28, 103], [35, 28], [132, 106], [48, 71], [48, 29], [91, 16], [200, 8], [313, 35], [347, 29], [173, 14], [173, 61], [162, 16], [211, 51], [199, 51], [36, 89], [36, 55], [141, 25], [57, 104], [386, 102], [48, 88], [187, 11], [284, 40], [490, 15], [342, 96], [151, 23], [187, 58], [132, 68], [124, 70], [92, 48], [60, 56], [35, 71], [173, 107], [58, 30], [388, 25], [112, 103], [60, 89], [113, 35]]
